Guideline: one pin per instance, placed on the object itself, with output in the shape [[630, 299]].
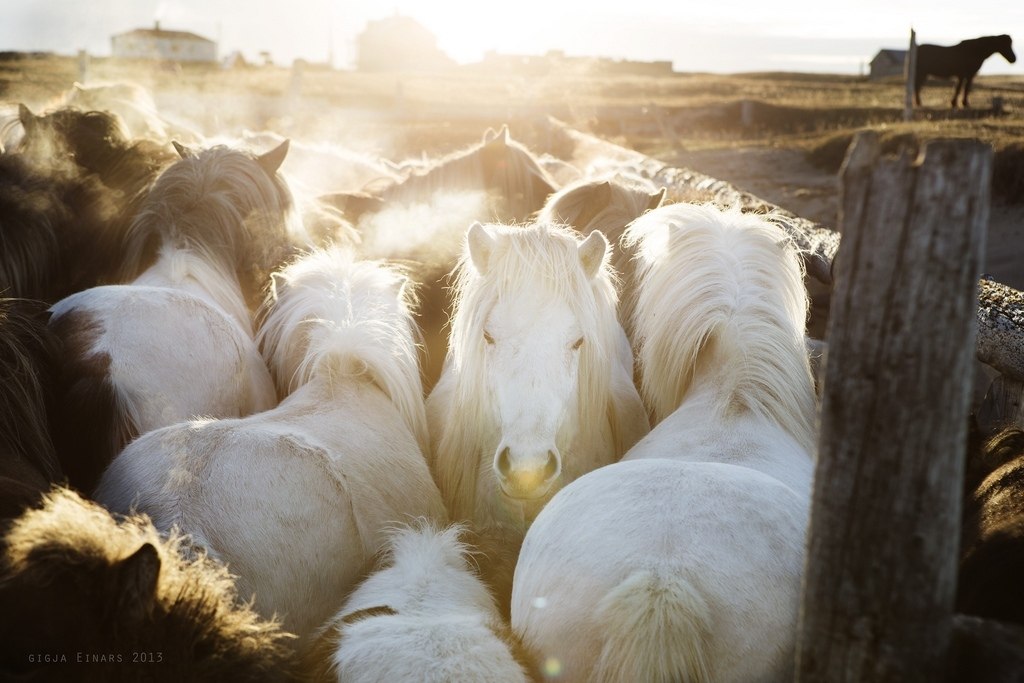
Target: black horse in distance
[[961, 60]]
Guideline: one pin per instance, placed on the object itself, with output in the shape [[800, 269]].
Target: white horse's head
[[533, 338]]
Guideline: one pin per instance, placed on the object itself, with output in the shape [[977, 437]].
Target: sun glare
[[465, 31]]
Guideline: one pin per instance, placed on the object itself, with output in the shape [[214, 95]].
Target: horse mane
[[985, 456], [196, 616], [500, 165], [222, 205], [989, 40], [415, 581], [423, 544], [992, 528], [35, 223], [98, 142], [328, 313], [130, 102], [68, 140], [221, 284], [722, 289], [28, 353], [105, 176], [539, 255], [607, 204]]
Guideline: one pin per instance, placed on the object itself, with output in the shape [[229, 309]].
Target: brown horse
[[28, 463], [992, 546], [607, 204], [87, 597], [91, 149], [962, 60]]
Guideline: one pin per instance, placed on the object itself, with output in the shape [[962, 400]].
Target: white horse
[[684, 561], [537, 387], [177, 341], [427, 617], [296, 500]]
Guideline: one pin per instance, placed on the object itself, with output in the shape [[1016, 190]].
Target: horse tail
[[656, 627]]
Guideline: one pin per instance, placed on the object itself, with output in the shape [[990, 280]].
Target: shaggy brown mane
[[120, 588]]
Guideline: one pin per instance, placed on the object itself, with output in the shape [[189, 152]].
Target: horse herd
[[241, 445]]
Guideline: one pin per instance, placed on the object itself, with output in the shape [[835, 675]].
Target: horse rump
[[655, 627]]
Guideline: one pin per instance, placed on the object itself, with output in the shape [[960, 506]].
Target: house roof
[[894, 55], [160, 33]]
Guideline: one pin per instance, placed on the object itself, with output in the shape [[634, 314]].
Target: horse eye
[[488, 338], [578, 344]]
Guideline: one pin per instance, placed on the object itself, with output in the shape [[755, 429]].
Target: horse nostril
[[551, 467], [503, 462]]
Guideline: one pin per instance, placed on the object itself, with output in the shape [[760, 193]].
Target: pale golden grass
[[405, 114]]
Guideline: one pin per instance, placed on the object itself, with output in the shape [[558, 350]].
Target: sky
[[734, 36]]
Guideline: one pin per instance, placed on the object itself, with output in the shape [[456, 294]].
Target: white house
[[156, 43]]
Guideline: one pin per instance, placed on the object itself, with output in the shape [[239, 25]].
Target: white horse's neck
[[325, 402], [186, 271], [698, 432]]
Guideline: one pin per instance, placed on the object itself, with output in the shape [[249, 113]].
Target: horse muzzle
[[526, 478]]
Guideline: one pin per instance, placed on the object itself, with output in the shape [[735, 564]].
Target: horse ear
[[26, 116], [592, 251], [602, 194], [481, 245], [656, 199], [272, 160], [405, 290], [499, 137], [136, 579], [183, 151]]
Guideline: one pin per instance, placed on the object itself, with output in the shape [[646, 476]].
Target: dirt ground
[[785, 177]]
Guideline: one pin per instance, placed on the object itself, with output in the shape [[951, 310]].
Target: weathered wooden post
[[295, 83], [910, 71], [747, 113], [883, 540], [83, 66]]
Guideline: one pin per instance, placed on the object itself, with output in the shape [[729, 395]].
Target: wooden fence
[[909, 316], [880, 579]]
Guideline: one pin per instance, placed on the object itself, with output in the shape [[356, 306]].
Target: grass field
[[398, 115]]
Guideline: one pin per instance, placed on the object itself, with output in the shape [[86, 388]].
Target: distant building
[[399, 43], [158, 44], [887, 63], [557, 60]]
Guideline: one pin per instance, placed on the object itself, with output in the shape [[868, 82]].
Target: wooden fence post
[[83, 67], [910, 69], [883, 542]]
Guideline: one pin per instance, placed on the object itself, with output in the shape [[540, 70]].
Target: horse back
[[937, 60], [961, 60]]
